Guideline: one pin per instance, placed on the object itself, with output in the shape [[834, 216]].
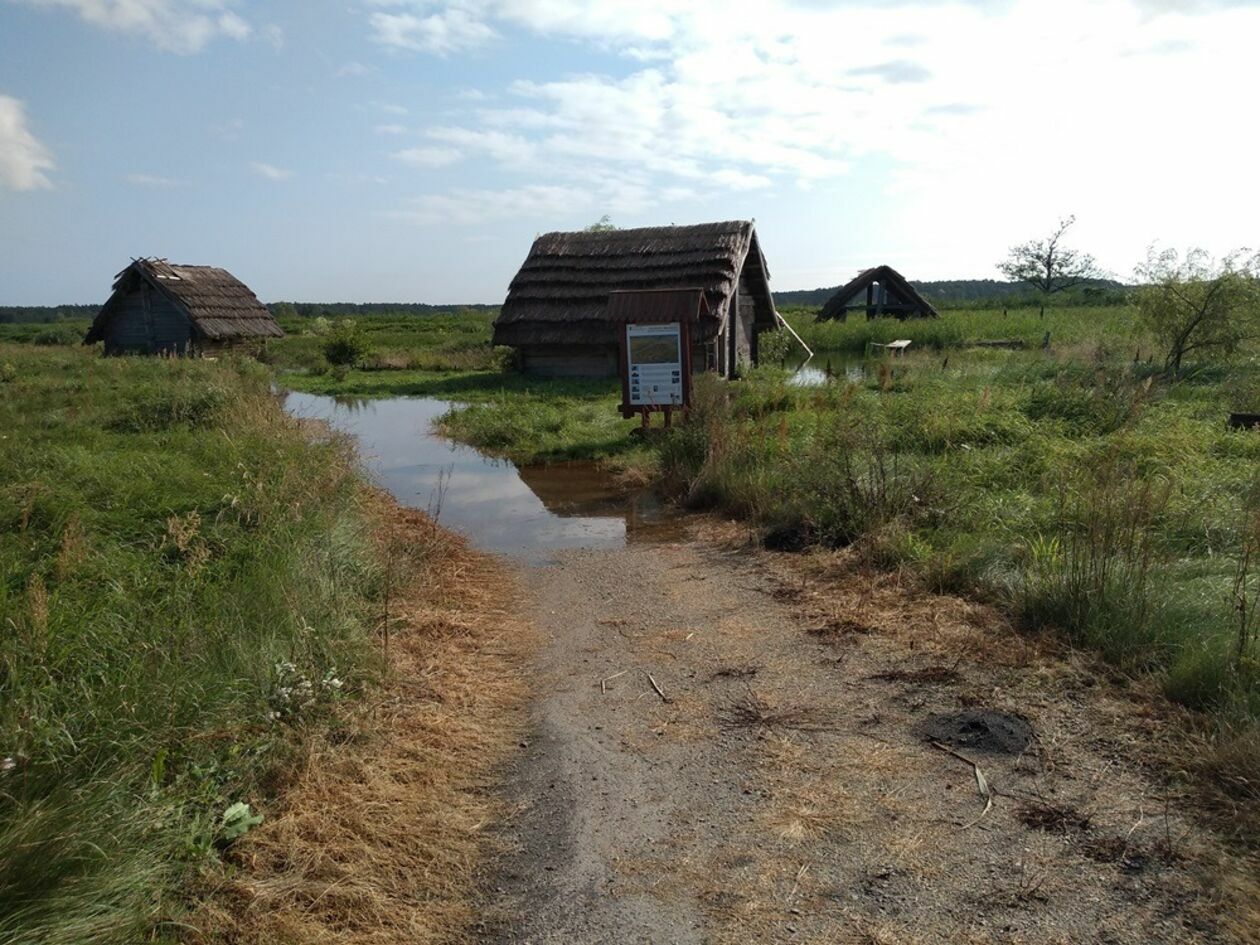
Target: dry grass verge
[[378, 837]]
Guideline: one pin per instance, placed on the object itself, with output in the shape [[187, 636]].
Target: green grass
[[182, 574], [439, 342], [1093, 498], [67, 332], [1112, 327]]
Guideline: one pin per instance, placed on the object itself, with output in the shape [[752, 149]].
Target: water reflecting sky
[[483, 498]]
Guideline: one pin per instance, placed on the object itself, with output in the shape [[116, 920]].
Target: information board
[[654, 355]]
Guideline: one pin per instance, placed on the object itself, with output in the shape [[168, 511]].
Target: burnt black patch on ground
[[997, 733]]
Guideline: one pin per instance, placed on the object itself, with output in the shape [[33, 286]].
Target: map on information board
[[654, 356]]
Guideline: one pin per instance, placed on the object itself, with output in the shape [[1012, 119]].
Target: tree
[[1049, 266], [603, 225], [1195, 304]]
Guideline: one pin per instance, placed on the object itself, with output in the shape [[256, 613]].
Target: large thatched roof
[[220, 306], [561, 294], [907, 301]]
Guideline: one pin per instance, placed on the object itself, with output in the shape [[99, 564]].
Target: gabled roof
[[561, 293], [219, 305], [886, 276]]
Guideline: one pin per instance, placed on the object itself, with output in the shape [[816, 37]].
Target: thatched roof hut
[[882, 292], [160, 308], [557, 309]]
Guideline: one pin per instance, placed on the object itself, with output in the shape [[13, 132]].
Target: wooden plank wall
[[145, 322]]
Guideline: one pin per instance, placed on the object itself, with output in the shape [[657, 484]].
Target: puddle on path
[[527, 511]]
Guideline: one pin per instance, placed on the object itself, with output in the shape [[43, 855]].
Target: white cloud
[[24, 160], [427, 157], [449, 31], [353, 69], [273, 34], [153, 180], [270, 171], [182, 26], [390, 129], [234, 27], [468, 207], [993, 120]]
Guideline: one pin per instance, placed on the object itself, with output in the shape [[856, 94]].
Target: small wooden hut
[[881, 292], [160, 308], [557, 314]]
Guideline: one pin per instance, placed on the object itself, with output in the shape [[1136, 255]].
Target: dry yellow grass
[[379, 837]]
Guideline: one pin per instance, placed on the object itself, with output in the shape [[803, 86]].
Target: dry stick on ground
[[659, 691], [603, 683], [982, 783]]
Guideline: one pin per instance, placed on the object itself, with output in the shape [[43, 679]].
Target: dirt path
[[782, 788]]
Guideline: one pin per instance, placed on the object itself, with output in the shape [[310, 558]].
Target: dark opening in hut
[[881, 292], [160, 308], [556, 314]]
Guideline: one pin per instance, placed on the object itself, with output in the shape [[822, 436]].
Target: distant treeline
[[314, 309], [24, 314], [982, 293], [950, 293]]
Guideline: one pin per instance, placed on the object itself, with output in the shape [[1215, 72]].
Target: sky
[[410, 150]]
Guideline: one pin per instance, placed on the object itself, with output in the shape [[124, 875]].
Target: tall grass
[[1112, 325], [1085, 494], [185, 582]]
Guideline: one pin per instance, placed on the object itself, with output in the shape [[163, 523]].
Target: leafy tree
[[345, 345], [1049, 266], [603, 225], [1195, 304]]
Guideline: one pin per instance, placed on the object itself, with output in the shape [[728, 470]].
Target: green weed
[[174, 554]]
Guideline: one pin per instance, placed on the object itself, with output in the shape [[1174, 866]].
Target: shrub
[[345, 344], [773, 347], [56, 336]]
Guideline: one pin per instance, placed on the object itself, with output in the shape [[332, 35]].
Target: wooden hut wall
[[743, 324], [145, 322], [557, 360]]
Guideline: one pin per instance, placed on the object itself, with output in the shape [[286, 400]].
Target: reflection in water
[[501, 508], [823, 367]]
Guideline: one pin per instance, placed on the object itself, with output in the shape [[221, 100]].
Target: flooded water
[[527, 511], [825, 366]]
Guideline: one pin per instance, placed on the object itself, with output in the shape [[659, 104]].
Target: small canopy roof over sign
[[219, 307], [657, 305], [880, 291]]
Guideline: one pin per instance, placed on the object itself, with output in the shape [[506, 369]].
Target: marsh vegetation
[[1073, 477]]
